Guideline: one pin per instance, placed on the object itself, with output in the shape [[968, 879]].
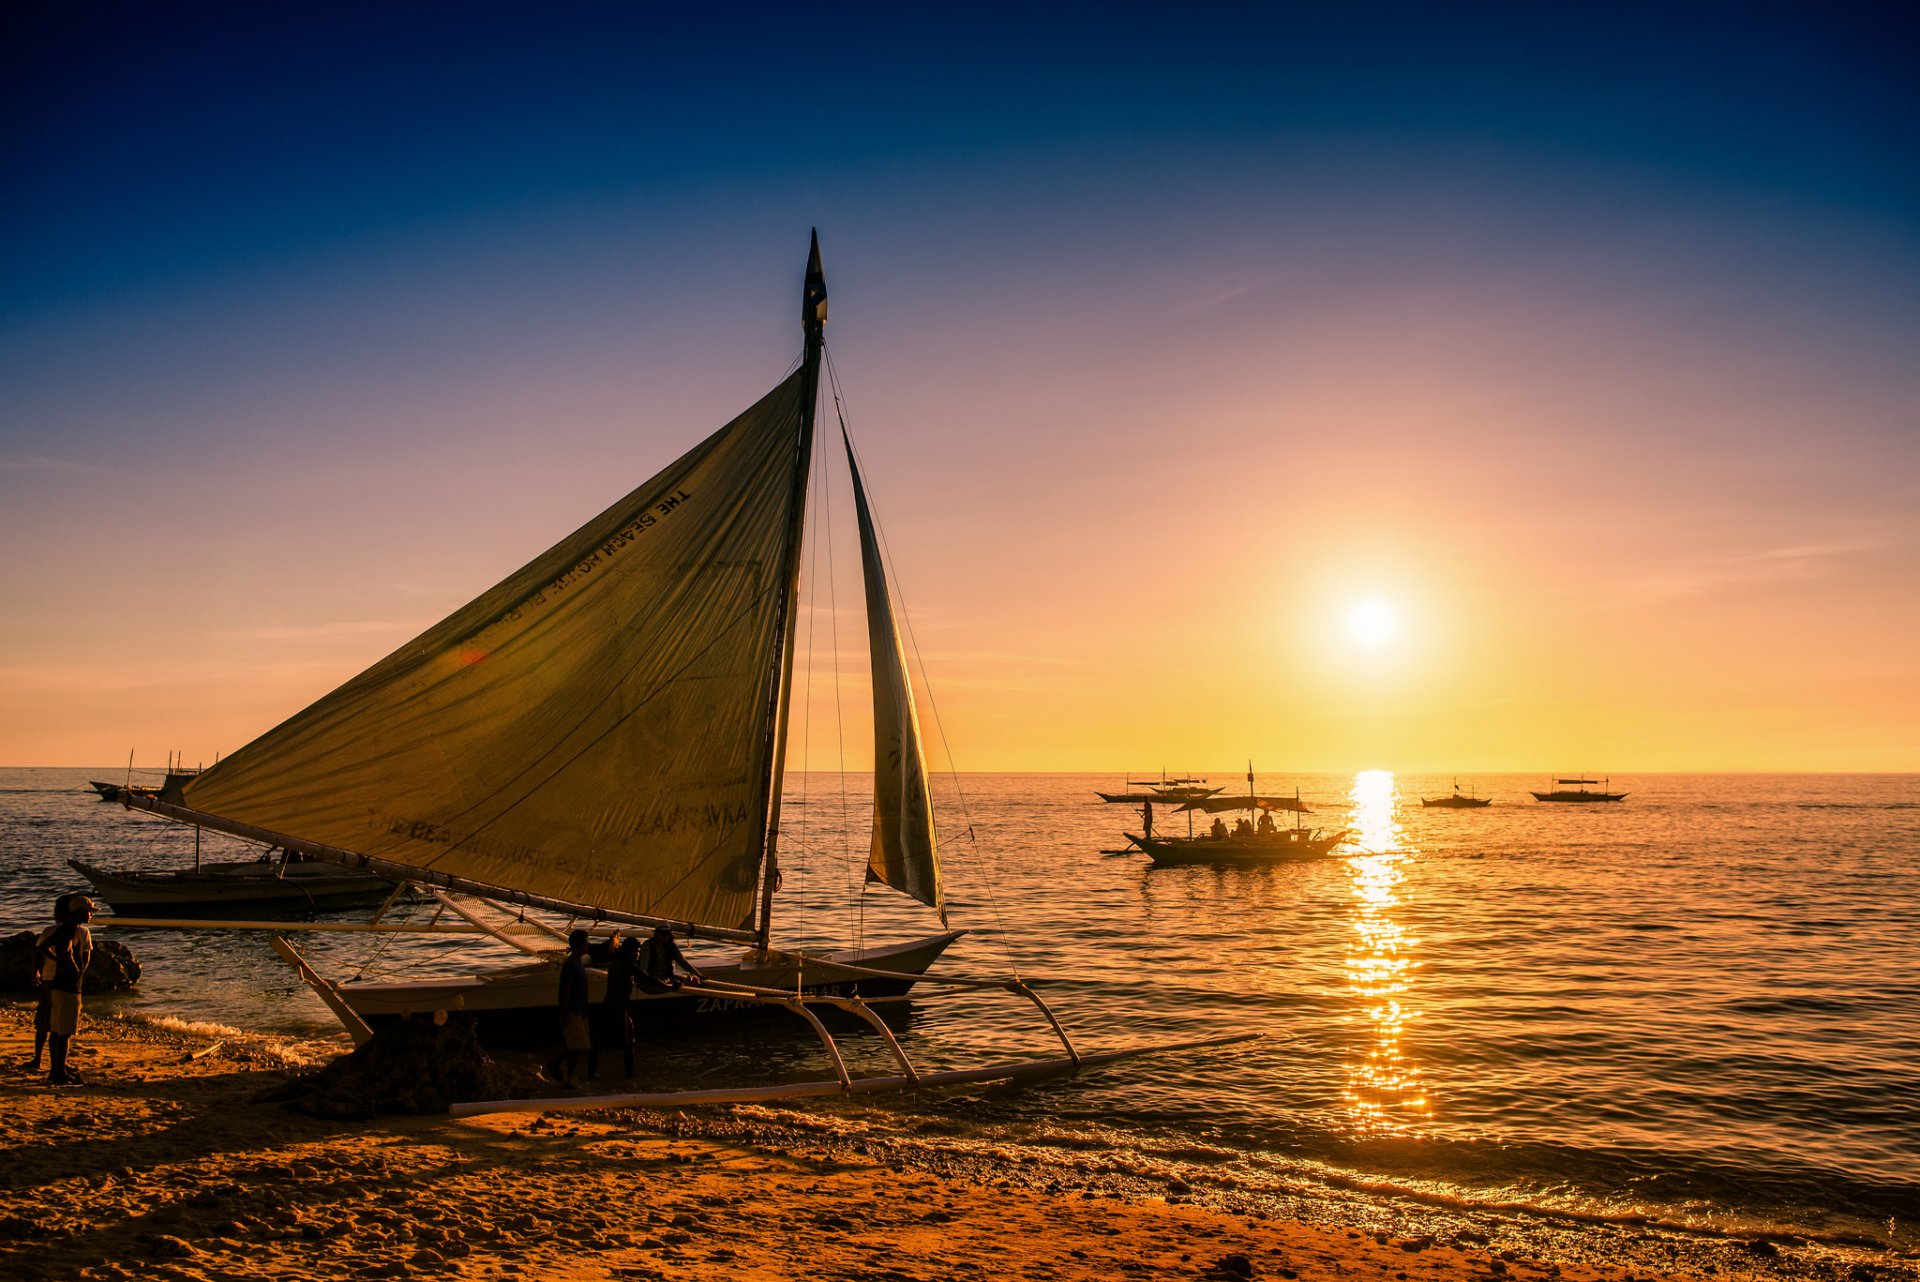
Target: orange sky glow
[[1633, 458]]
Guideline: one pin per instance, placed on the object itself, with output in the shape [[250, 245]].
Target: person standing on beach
[[68, 951], [575, 1034], [42, 981], [616, 1005]]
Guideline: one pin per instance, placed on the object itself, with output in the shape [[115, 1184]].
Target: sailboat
[[602, 735]]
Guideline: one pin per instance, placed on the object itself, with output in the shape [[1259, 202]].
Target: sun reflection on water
[[1384, 1090]]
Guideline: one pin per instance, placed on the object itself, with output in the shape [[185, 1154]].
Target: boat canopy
[[1214, 805]]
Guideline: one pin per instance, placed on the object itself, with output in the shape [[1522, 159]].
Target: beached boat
[[277, 881], [602, 735], [1457, 800], [1580, 793]]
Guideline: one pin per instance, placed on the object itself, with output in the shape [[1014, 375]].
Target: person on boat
[[1265, 826], [42, 975], [575, 1035], [1146, 817], [68, 951], [662, 955], [616, 1005], [1219, 830], [1243, 827]]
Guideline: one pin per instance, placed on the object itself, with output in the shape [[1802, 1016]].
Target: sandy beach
[[166, 1165]]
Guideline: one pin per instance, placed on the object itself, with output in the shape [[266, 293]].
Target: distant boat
[[1165, 789], [277, 881], [176, 776], [1459, 800], [1246, 845], [1580, 793]]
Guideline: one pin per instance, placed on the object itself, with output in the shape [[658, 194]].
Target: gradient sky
[[1588, 337]]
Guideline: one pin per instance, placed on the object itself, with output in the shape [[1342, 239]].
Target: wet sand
[[165, 1166]]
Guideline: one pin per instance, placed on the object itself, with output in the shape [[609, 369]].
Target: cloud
[[1726, 571], [336, 629], [43, 463]]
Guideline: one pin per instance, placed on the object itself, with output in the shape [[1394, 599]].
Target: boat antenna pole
[[813, 318]]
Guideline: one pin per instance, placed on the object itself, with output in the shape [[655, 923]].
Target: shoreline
[[165, 1165]]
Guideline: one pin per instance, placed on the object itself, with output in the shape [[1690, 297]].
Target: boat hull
[[516, 1005], [1257, 851], [1579, 797], [1457, 803], [236, 887], [1171, 795]]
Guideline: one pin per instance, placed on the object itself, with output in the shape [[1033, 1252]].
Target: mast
[[813, 318]]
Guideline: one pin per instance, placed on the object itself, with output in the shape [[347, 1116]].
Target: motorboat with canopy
[[1579, 791], [1247, 843]]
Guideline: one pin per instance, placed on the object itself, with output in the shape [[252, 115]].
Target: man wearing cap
[[575, 1033], [66, 954], [42, 976]]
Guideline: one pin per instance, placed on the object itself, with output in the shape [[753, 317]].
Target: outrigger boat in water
[[603, 736], [1457, 800], [1247, 843], [1164, 789], [277, 881], [1580, 794]]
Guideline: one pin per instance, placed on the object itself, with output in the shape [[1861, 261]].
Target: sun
[[1373, 623]]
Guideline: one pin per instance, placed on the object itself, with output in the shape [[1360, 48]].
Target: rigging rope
[[926, 682]]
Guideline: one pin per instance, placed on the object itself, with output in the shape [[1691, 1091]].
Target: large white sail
[[905, 854], [595, 728]]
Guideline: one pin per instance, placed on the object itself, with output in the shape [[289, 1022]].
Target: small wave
[[1858, 805], [293, 1052]]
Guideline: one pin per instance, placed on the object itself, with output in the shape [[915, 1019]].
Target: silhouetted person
[[68, 951], [1242, 827], [616, 1006], [575, 1035], [42, 983], [1146, 817], [662, 954], [1265, 824], [1219, 830]]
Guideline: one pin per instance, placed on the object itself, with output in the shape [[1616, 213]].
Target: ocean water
[[1696, 1012]]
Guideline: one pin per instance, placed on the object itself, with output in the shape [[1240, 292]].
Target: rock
[[1762, 1248], [172, 1248], [410, 1067], [1417, 1243], [114, 968], [1236, 1265]]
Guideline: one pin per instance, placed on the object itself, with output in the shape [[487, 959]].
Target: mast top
[[813, 304]]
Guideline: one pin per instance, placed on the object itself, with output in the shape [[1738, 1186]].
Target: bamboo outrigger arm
[[1015, 986], [856, 1086]]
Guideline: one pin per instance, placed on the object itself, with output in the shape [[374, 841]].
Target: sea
[[1681, 1024]]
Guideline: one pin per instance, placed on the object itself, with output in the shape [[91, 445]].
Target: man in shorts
[[42, 977], [68, 951]]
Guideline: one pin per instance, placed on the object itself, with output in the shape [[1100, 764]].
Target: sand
[[165, 1166]]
